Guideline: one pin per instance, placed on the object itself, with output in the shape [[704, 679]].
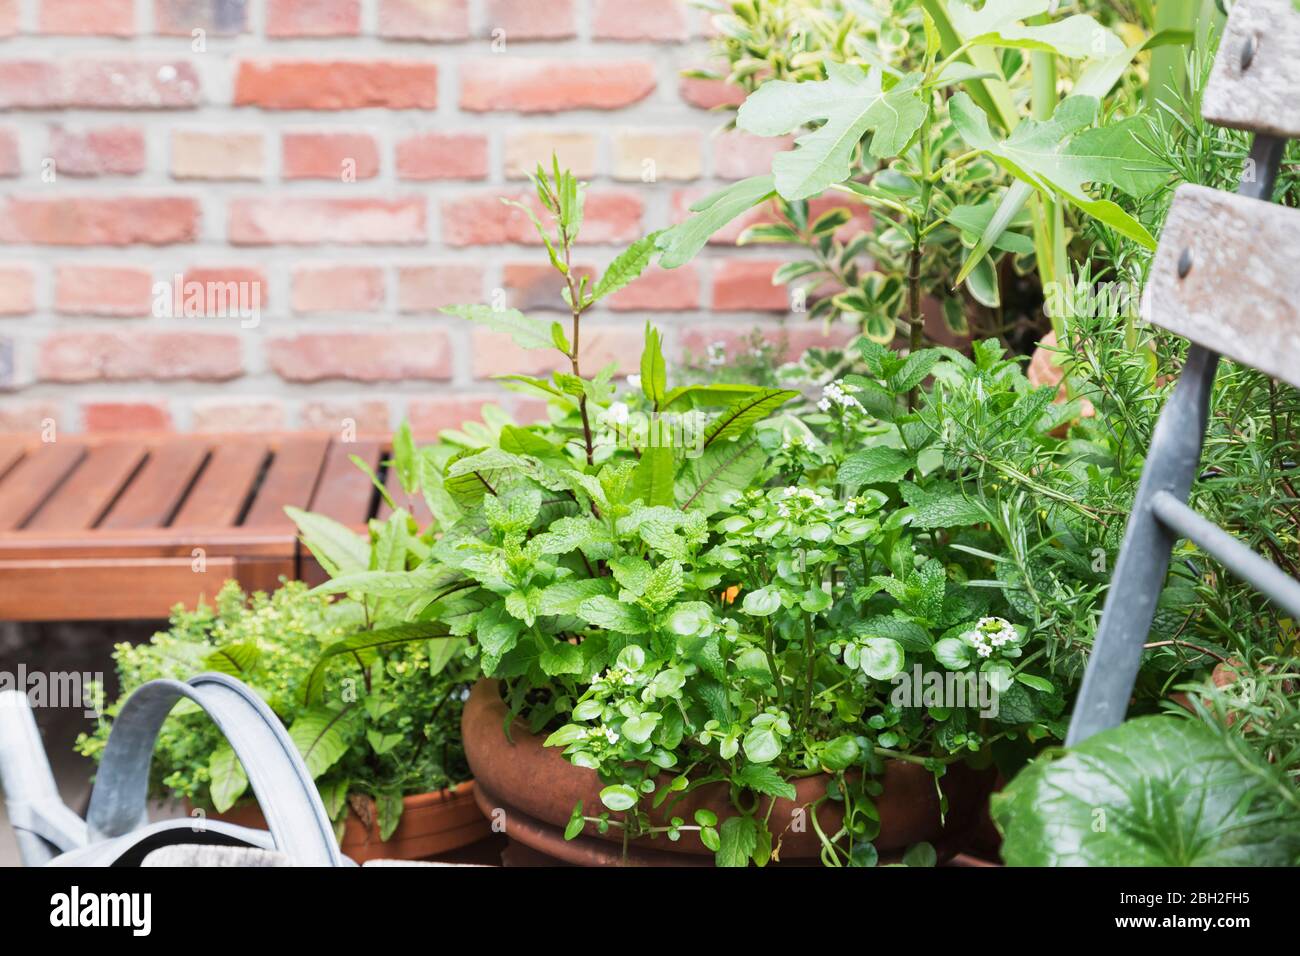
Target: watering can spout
[[43, 825]]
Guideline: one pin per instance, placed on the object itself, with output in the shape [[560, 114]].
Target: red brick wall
[[338, 162]]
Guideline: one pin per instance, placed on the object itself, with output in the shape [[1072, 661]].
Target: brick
[[336, 84], [428, 288], [525, 149], [221, 292], [97, 221], [11, 377], [313, 18], [237, 415], [87, 17], [428, 156], [550, 85], [203, 154], [661, 154], [28, 416], [8, 18], [538, 286], [709, 94], [745, 285], [342, 157], [532, 19], [361, 356], [103, 151], [338, 288], [424, 19], [214, 17], [602, 344], [303, 221], [791, 340], [126, 416], [81, 356], [659, 20], [611, 216], [660, 290], [81, 289], [738, 155], [17, 290], [11, 163], [366, 416], [429, 416], [73, 83]]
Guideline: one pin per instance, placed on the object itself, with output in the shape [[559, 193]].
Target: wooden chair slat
[[290, 480], [223, 489], [34, 479], [414, 504], [1241, 285], [84, 497], [345, 493], [1257, 71], [159, 487]]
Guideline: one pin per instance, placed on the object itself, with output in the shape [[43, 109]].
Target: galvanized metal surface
[[116, 828], [1255, 84]]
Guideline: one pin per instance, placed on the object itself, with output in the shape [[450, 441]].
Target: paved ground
[[63, 647]]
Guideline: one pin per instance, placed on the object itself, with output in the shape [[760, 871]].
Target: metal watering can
[[116, 831]]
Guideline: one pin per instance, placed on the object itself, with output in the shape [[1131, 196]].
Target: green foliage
[[384, 727], [1156, 791]]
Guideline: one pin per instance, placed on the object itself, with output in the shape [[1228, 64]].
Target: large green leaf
[[318, 734], [740, 416], [653, 479], [339, 549], [871, 465], [1155, 791], [1079, 37], [686, 397], [654, 370], [1038, 153], [228, 780], [679, 244], [852, 103], [703, 482], [527, 333]]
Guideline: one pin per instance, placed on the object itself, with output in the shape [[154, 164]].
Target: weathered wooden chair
[[1227, 277], [126, 526]]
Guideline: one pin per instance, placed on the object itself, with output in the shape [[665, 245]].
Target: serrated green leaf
[[679, 244], [872, 465], [525, 332], [627, 266]]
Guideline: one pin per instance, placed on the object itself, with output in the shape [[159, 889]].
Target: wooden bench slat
[[414, 504], [34, 479], [344, 492], [290, 480], [157, 491], [221, 492], [9, 455], [1257, 90], [85, 495], [1241, 295]]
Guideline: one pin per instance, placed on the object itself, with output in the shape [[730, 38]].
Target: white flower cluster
[[800, 496], [717, 353], [839, 393], [991, 633]]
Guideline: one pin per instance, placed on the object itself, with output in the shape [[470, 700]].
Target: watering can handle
[[280, 781]]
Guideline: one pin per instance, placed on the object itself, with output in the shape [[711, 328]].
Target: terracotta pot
[[532, 790], [431, 824]]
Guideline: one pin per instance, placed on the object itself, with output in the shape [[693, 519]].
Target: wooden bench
[[118, 527]]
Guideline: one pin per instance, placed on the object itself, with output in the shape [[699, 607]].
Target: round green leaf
[[618, 797], [881, 658]]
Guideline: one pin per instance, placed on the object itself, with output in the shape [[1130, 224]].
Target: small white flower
[[634, 381], [851, 507], [617, 413], [824, 405], [984, 650], [611, 735]]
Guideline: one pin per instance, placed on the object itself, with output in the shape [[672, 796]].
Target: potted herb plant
[[380, 741]]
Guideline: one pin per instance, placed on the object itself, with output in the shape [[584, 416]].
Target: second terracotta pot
[[530, 790]]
